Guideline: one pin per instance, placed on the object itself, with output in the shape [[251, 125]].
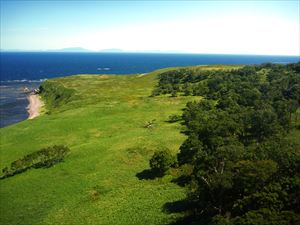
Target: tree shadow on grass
[[148, 174], [186, 220], [182, 181], [182, 206], [177, 206]]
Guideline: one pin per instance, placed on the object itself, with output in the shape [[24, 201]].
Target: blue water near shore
[[13, 101], [28, 69]]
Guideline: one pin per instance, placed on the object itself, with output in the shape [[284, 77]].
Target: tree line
[[241, 147]]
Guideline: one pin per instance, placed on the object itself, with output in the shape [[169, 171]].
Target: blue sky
[[231, 27]]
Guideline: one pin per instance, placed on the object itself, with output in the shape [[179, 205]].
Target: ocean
[[28, 69]]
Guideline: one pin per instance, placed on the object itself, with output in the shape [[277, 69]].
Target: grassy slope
[[103, 126]]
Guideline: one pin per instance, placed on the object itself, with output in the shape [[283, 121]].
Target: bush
[[161, 161], [44, 158]]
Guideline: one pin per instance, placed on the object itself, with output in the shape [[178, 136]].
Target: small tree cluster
[[186, 81], [46, 157], [161, 161]]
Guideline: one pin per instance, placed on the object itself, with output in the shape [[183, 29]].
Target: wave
[[23, 81], [105, 68], [280, 62]]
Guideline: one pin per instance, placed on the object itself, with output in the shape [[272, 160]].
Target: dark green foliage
[[43, 158], [263, 216], [184, 80], [161, 161], [155, 92], [55, 94], [174, 118], [244, 169]]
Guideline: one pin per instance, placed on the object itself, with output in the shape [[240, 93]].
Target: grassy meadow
[[103, 125]]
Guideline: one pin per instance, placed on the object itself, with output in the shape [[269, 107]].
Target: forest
[[241, 160]]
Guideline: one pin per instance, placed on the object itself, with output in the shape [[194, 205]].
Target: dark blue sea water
[[34, 66], [18, 70]]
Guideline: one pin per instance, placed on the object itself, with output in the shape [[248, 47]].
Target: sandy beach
[[34, 106]]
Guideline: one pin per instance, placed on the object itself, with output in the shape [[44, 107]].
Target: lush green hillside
[[102, 120]]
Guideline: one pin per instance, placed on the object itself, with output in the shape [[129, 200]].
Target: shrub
[[44, 158], [161, 161]]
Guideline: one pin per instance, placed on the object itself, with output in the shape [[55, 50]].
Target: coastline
[[35, 105]]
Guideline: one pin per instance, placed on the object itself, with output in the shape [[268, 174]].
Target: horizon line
[[140, 52]]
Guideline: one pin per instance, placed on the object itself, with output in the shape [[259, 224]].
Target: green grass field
[[103, 125]]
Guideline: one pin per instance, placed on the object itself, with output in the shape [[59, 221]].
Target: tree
[[161, 161], [245, 170]]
